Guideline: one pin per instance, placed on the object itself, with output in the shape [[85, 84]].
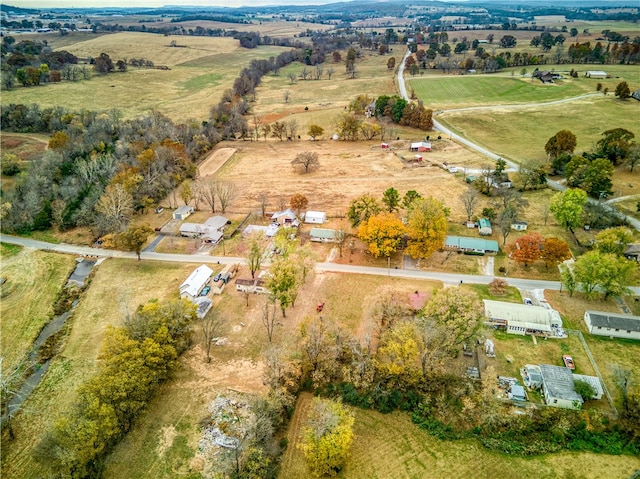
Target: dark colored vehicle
[[216, 278]]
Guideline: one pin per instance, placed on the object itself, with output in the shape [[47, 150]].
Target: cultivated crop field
[[32, 282], [389, 445]]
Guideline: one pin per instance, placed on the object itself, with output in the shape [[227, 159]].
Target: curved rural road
[[448, 278], [474, 146]]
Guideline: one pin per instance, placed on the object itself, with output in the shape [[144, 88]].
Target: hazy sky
[[155, 3]]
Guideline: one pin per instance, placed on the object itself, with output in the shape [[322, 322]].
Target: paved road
[[447, 278], [474, 146]]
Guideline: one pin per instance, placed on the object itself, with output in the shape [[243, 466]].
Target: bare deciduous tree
[[330, 72], [213, 325], [306, 161], [269, 317], [263, 200], [226, 192], [470, 199], [208, 191]]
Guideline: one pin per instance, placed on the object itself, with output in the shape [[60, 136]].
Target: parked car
[[205, 291], [216, 278], [568, 361], [528, 301]]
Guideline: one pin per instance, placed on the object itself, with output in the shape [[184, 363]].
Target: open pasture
[[389, 445], [201, 69], [520, 134]]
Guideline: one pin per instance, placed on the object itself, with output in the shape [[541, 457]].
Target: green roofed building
[[471, 245], [323, 235]]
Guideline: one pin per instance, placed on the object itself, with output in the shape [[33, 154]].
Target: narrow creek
[[78, 277]]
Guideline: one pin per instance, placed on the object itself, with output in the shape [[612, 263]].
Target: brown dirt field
[[347, 170], [214, 161]]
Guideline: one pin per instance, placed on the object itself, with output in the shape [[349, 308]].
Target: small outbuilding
[[315, 217], [598, 74], [384, 146], [484, 227], [516, 393], [633, 252], [183, 212], [420, 146], [519, 226]]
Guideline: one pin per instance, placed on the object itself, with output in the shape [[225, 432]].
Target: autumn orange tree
[[383, 234], [528, 248], [554, 251], [298, 202]]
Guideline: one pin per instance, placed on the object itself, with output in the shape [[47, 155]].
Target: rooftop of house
[[602, 319], [558, 380]]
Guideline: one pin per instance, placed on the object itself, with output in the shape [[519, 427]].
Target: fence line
[[595, 367]]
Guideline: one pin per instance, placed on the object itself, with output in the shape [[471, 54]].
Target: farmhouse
[[523, 318], [254, 286], [612, 324], [484, 227], [315, 217], [211, 231], [633, 252], [183, 212], [596, 74], [323, 235], [420, 146], [558, 387], [196, 281], [519, 225], [269, 231], [285, 218], [470, 245]]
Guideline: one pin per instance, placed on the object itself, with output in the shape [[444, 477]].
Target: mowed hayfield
[[32, 281], [201, 69], [389, 445]]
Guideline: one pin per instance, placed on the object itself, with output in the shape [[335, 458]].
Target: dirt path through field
[[215, 161]]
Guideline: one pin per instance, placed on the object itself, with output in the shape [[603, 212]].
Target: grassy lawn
[[389, 445], [33, 280]]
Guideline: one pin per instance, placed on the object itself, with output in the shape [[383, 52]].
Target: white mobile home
[[523, 318], [196, 281]]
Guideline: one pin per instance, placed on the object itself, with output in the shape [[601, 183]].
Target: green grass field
[[390, 446], [442, 92], [33, 280], [522, 134]]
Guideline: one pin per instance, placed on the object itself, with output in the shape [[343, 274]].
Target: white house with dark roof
[[195, 283], [558, 387], [617, 325]]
